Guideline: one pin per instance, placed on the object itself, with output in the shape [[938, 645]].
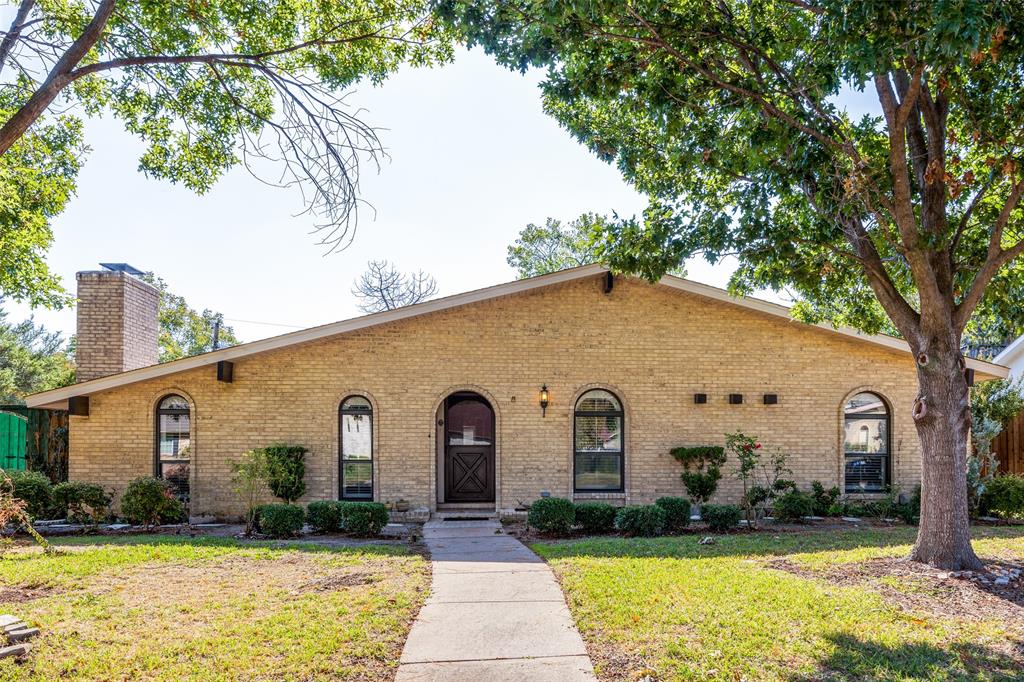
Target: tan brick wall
[[117, 324], [653, 346]]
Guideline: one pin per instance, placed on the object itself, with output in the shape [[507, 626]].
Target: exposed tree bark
[[14, 32], [58, 78], [943, 418]]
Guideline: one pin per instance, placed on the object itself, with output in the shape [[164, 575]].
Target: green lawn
[[168, 608], [831, 605]]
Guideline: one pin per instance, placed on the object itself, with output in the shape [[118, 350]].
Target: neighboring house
[[1009, 444], [573, 384], [1013, 357]]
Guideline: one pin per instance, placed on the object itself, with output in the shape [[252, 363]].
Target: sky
[[473, 159]]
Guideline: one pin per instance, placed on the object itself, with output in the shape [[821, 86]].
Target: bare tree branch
[[381, 287]]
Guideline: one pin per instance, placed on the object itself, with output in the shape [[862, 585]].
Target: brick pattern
[[117, 324], [653, 346]]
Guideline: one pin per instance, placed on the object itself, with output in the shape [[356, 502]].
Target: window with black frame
[[866, 443], [356, 463], [598, 462], [174, 443]]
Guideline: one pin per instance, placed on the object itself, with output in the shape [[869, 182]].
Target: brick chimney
[[117, 321]]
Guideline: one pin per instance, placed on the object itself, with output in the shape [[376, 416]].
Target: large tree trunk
[[943, 418]]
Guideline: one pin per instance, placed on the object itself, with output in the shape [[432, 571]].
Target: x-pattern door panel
[[470, 474]]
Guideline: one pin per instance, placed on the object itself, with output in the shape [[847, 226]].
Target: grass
[[671, 609], [169, 608]]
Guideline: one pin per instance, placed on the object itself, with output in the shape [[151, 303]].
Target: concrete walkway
[[495, 613]]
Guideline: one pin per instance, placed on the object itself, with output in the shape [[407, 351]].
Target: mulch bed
[[929, 590]]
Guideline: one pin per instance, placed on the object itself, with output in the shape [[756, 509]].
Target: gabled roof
[[57, 398], [1011, 354]]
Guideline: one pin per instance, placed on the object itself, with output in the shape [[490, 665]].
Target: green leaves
[[185, 331], [726, 115]]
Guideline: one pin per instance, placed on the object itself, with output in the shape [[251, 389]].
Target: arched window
[[356, 463], [597, 443], [867, 443], [174, 443]]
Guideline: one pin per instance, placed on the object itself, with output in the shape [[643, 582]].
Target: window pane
[[357, 480], [174, 436], [356, 402], [866, 403], [598, 471], [598, 401], [176, 473], [598, 434], [865, 474], [174, 402], [356, 436], [470, 422], [869, 435]]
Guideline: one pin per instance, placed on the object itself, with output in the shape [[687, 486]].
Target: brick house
[[573, 384]]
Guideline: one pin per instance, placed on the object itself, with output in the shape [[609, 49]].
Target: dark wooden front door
[[469, 449]]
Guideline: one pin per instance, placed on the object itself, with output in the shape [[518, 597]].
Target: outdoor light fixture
[[544, 400]]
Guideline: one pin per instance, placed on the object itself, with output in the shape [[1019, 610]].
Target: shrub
[[148, 501], [702, 466], [1004, 496], [34, 489], [642, 520], [721, 518], [80, 502], [793, 506], [824, 500], [677, 512], [553, 515], [595, 517], [910, 511], [363, 518], [286, 468], [281, 520], [249, 479], [324, 516]]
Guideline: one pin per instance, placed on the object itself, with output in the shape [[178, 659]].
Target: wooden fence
[[1009, 446], [44, 440]]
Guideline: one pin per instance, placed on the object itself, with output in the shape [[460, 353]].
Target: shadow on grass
[[158, 540], [761, 543], [853, 658]]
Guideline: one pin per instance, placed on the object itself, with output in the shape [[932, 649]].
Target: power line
[[268, 324]]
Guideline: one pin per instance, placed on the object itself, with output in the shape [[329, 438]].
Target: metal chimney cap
[[122, 267]]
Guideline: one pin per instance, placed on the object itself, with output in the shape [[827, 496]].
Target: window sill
[[599, 496]]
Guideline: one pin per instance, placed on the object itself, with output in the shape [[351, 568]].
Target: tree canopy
[[184, 331], [728, 115], [207, 86], [32, 359], [551, 247]]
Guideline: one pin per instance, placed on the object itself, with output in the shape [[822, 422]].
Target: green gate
[[12, 441]]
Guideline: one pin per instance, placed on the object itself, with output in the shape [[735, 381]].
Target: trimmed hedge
[[554, 515], [80, 502], [35, 490], [793, 506], [324, 516], [1004, 496], [595, 517], [721, 518], [148, 501], [677, 512], [358, 518], [280, 520], [364, 518], [641, 520], [286, 468]]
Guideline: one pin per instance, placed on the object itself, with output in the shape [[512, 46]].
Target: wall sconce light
[[735, 398], [771, 398], [700, 398], [544, 400]]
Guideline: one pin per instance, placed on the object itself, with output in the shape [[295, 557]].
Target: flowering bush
[[762, 481]]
